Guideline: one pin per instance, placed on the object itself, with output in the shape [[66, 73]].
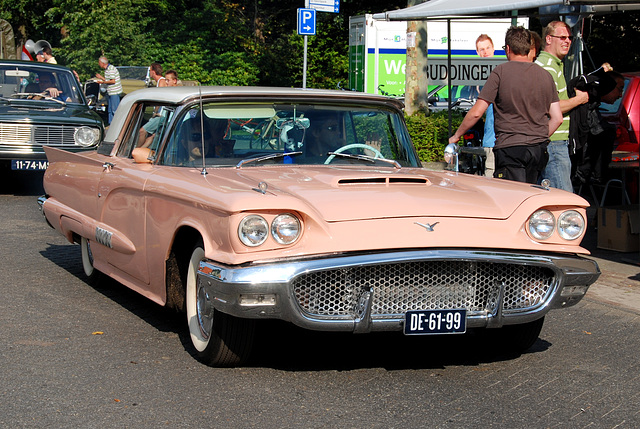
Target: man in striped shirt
[[557, 40], [114, 87]]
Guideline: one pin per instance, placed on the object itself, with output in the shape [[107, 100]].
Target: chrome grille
[[423, 285], [37, 135], [48, 135]]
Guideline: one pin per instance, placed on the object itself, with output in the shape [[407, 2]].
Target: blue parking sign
[[307, 22]]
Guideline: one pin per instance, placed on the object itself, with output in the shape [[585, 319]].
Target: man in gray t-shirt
[[526, 109]]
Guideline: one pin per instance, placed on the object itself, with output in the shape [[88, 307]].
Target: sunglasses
[[563, 38]]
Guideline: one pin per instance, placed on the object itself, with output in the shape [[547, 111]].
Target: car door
[[122, 202]]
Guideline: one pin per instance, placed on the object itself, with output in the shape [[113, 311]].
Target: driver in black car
[[47, 86]]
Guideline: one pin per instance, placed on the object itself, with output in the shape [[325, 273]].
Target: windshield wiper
[[367, 158], [266, 158]]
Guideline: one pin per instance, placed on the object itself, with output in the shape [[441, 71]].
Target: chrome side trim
[[41, 200]]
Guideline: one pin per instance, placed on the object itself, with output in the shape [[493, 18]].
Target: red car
[[625, 114]]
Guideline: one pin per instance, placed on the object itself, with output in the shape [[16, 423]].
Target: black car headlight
[[86, 136]]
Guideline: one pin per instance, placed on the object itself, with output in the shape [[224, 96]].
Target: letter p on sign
[[307, 22]]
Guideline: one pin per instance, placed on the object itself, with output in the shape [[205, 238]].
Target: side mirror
[[451, 156]]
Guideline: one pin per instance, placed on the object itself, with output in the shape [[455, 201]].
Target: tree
[[604, 34], [29, 20]]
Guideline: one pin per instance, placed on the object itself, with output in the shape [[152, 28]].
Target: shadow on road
[[21, 183], [283, 346], [287, 347]]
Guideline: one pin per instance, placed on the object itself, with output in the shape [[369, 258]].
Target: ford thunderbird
[[236, 205]]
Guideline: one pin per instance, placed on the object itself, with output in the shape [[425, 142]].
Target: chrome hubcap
[[205, 312]]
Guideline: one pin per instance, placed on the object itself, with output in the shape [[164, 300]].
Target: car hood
[[340, 194], [47, 112]]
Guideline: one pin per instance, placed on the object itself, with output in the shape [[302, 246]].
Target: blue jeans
[[558, 169], [114, 102]]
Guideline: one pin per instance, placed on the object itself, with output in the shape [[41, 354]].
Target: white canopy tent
[[447, 9], [444, 8]]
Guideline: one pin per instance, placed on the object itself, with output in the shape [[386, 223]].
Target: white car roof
[[182, 94]]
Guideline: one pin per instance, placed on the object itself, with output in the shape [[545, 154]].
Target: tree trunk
[[416, 86]]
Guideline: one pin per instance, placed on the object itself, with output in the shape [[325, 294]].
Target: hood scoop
[[385, 181]]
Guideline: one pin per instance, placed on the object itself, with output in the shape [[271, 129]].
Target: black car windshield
[[246, 135], [36, 82]]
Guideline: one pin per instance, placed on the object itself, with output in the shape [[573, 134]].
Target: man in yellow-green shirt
[[557, 39]]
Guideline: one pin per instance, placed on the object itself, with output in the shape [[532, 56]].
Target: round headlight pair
[[254, 229], [570, 225], [86, 136]]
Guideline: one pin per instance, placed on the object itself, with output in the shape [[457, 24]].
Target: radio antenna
[[204, 169]]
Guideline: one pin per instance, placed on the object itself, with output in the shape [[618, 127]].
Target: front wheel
[[218, 338]]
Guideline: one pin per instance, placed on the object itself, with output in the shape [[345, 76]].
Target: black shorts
[[521, 163]]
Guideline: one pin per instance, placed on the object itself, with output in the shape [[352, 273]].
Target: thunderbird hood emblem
[[428, 226]]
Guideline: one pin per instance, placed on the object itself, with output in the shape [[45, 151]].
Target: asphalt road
[[75, 355]]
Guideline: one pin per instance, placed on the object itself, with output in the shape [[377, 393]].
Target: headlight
[[571, 225], [253, 230], [541, 224], [86, 136], [285, 228]]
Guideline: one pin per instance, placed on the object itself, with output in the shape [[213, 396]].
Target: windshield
[[607, 108], [134, 72], [248, 135], [24, 81]]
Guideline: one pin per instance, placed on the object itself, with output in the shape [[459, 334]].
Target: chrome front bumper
[[273, 290]]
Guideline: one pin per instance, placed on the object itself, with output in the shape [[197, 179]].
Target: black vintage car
[[42, 105]]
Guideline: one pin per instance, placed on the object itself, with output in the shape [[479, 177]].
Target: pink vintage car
[[236, 205]]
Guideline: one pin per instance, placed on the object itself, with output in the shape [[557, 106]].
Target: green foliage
[[430, 132], [604, 41], [234, 69], [117, 29], [222, 42], [239, 42]]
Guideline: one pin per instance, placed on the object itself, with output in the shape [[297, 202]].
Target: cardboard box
[[618, 228]]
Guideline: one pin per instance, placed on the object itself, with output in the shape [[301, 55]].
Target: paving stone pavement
[[619, 283]]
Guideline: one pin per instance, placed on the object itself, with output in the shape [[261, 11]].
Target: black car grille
[[423, 285], [28, 135]]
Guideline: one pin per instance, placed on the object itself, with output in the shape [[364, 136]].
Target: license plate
[[29, 164], [431, 322]]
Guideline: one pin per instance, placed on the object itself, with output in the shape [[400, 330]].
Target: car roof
[[185, 94], [34, 64], [180, 94]]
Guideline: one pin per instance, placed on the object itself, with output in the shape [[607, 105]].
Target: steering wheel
[[355, 146], [265, 137]]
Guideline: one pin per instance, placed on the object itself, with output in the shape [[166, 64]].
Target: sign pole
[[304, 61], [307, 24], [304, 64]]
